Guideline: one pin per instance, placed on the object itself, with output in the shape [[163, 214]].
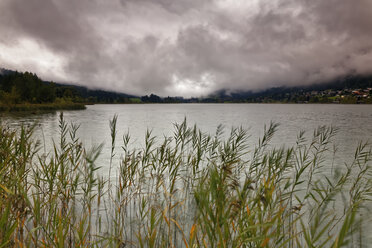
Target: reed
[[189, 190]]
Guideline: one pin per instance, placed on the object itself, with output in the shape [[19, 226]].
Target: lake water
[[354, 122]]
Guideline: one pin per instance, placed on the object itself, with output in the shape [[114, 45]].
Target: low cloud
[[186, 47]]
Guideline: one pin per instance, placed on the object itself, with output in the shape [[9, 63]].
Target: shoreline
[[36, 108], [28, 107]]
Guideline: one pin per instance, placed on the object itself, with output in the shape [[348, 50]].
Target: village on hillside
[[338, 96]]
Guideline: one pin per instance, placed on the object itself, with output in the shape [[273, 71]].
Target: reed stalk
[[192, 189]]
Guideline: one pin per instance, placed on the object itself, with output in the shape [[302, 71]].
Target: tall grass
[[189, 190]]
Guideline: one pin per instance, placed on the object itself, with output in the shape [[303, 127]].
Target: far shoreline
[[44, 108]]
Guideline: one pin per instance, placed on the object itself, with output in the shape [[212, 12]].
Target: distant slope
[[94, 96], [5, 71], [288, 93], [8, 79], [27, 92]]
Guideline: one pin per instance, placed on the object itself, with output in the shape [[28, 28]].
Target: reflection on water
[[353, 121]]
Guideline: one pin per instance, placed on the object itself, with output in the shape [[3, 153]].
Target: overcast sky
[[186, 47]]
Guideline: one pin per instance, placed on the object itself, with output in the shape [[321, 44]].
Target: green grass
[[188, 190]]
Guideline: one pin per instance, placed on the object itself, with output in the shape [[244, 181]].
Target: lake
[[352, 121]]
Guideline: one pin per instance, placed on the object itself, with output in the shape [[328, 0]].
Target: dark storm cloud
[[56, 25], [188, 47]]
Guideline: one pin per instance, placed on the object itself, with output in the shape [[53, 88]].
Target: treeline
[[19, 88], [27, 92], [83, 94], [25, 87], [157, 99]]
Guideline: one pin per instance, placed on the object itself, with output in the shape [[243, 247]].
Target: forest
[[21, 91], [25, 87]]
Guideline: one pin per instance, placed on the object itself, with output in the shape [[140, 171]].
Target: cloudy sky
[[186, 47]]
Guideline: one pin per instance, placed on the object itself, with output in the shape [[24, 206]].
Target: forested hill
[[350, 89], [20, 87]]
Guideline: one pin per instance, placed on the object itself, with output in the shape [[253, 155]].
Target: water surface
[[354, 122]]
